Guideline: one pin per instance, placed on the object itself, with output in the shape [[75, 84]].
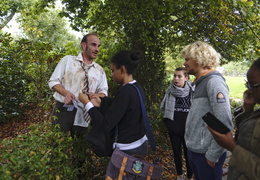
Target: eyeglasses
[[248, 86]]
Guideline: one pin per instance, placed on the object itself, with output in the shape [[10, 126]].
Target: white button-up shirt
[[70, 74]]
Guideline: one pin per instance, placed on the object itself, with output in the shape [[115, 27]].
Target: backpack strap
[[149, 132], [150, 173], [122, 168]]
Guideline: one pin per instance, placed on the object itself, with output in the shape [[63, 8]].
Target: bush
[[234, 104], [46, 153], [13, 82], [41, 154], [25, 70]]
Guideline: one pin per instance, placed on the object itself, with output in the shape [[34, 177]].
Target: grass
[[236, 86]]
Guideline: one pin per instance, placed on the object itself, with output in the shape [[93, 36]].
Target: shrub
[[41, 154], [25, 69], [13, 82], [46, 153]]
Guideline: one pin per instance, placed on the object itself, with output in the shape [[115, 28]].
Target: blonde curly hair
[[204, 54]]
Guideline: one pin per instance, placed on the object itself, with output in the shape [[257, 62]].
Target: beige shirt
[[70, 74]]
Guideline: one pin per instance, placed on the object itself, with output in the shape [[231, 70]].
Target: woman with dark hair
[[124, 111], [245, 148]]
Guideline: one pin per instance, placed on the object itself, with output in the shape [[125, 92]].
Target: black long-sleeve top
[[125, 111]]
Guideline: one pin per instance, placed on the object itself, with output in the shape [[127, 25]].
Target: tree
[[158, 26], [10, 7], [47, 27], [231, 26]]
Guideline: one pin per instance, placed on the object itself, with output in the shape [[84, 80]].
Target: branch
[[245, 21], [8, 19], [252, 30]]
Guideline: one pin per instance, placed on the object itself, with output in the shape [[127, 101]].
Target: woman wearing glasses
[[245, 148]]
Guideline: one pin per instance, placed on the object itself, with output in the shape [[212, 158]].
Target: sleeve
[[58, 73], [103, 86], [218, 95], [240, 117], [245, 162], [105, 104], [114, 113]]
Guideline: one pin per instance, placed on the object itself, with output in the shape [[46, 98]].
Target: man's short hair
[[85, 38]]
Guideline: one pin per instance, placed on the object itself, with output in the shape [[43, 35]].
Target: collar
[[80, 58], [132, 82], [203, 74]]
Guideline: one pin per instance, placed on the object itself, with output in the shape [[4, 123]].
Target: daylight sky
[[13, 27]]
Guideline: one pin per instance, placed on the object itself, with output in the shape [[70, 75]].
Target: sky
[[13, 27]]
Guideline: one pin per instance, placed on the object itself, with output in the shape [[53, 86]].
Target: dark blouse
[[123, 110], [181, 110]]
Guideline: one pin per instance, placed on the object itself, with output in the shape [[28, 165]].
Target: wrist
[[232, 147], [88, 106], [85, 101]]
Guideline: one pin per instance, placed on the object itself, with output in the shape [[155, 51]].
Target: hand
[[83, 98], [225, 140], [69, 97], [96, 101], [92, 95], [249, 101], [211, 164]]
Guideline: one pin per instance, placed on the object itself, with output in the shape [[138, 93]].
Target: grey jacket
[[211, 94]]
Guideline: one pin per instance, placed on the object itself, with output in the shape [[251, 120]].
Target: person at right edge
[[245, 160], [211, 94]]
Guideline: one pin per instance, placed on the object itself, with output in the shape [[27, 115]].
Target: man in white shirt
[[68, 80]]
